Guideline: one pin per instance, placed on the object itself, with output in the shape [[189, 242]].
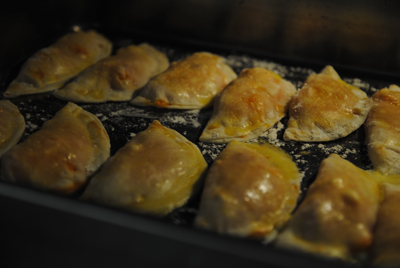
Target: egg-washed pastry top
[[49, 68], [338, 213], [248, 106], [157, 171], [250, 191], [116, 78], [191, 83], [61, 156], [326, 108]]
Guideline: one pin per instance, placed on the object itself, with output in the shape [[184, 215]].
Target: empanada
[[154, 173], [382, 129], [250, 191], [248, 106], [49, 68], [117, 77], [326, 108], [337, 216], [191, 83], [60, 156], [12, 125], [386, 243]]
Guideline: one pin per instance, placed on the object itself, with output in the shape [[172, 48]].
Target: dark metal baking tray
[[42, 230]]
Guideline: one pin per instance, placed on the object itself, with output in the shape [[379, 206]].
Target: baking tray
[[43, 229]]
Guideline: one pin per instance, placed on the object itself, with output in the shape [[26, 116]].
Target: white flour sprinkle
[[357, 83], [211, 149], [272, 135]]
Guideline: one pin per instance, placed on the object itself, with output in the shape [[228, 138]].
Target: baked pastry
[[386, 243], [117, 77], [154, 173], [12, 125], [248, 106], [337, 216], [188, 84], [326, 108], [382, 129], [49, 68], [250, 191], [60, 156]]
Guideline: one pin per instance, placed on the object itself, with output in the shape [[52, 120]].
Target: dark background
[[362, 33]]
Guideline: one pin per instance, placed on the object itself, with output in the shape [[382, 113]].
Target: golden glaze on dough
[[49, 68], [248, 106], [250, 190], [188, 84], [117, 77], [12, 125], [326, 108], [337, 216], [61, 155], [154, 173], [382, 129]]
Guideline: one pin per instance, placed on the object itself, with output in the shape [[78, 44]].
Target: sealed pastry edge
[[317, 134], [19, 125]]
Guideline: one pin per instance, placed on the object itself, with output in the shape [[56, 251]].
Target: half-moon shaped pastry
[[382, 129], [248, 106], [338, 213], [60, 156], [386, 243], [117, 77], [191, 83], [326, 108], [12, 125], [49, 68], [154, 173], [250, 191]]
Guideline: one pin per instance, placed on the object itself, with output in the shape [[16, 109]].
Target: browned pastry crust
[[49, 68], [248, 106], [116, 78], [191, 83], [326, 108]]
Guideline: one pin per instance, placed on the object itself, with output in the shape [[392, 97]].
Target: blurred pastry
[[49, 68]]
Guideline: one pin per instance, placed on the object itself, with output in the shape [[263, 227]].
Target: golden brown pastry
[[382, 129], [326, 108], [49, 68], [337, 216], [12, 125], [154, 173], [188, 84], [117, 77], [250, 191], [386, 244], [61, 155], [248, 106]]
